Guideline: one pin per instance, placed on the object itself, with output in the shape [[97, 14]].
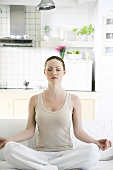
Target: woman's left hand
[[103, 144]]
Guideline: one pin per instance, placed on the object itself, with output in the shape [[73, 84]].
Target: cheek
[[61, 75], [47, 74]]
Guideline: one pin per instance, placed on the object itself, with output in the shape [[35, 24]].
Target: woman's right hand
[[3, 141]]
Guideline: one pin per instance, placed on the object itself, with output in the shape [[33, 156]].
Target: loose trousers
[[22, 157]]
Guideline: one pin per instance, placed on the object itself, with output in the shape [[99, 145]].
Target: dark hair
[[57, 58]]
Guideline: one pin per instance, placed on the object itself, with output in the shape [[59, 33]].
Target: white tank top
[[53, 127]]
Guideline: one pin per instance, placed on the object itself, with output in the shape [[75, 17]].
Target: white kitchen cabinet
[[20, 108], [78, 76], [6, 109], [104, 76]]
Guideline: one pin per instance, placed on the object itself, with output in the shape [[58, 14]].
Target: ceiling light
[[46, 5]]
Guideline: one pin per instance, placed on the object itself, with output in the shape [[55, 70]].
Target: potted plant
[[73, 55], [47, 30], [84, 32]]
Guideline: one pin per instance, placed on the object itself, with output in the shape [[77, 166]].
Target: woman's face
[[54, 71]]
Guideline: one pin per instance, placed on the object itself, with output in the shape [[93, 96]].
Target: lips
[[54, 78]]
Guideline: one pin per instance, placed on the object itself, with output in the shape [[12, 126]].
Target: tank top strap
[[39, 101], [68, 100]]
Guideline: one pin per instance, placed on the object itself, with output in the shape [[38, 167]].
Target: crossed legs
[[22, 157]]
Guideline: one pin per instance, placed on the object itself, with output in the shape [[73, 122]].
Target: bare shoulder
[[75, 100], [33, 100]]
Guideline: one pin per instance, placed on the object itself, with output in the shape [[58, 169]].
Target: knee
[[8, 149], [93, 154]]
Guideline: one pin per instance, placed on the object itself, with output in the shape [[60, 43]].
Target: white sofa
[[96, 128]]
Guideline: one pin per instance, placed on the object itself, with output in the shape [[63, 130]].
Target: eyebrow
[[55, 67]]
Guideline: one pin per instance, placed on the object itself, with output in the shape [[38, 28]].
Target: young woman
[[53, 111]]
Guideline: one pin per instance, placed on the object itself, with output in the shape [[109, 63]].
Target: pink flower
[[61, 48]]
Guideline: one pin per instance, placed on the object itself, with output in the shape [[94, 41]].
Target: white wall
[[103, 65], [100, 57], [66, 18]]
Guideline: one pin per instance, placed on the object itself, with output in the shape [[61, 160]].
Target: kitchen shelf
[[86, 44]]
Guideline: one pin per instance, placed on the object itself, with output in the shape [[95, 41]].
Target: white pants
[[22, 157]]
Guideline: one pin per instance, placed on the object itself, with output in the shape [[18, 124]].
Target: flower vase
[[62, 54]]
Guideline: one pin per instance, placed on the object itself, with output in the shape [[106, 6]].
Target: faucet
[[26, 83]]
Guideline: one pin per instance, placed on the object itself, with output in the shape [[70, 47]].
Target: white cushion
[[103, 165], [107, 154]]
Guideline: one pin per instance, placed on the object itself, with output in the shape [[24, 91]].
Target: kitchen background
[[18, 64]]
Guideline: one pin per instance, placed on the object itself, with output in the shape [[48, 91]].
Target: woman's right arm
[[30, 128]]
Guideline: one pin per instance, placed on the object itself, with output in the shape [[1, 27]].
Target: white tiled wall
[[18, 64], [33, 24], [4, 21]]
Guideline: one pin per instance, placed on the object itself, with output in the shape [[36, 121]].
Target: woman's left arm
[[78, 128]]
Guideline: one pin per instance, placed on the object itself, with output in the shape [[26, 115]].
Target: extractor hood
[[17, 28], [10, 42]]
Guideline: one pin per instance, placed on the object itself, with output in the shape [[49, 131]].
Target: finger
[[102, 147], [107, 144], [110, 143]]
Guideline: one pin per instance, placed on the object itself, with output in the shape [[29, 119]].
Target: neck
[[55, 90]]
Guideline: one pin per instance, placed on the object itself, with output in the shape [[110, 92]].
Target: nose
[[54, 72]]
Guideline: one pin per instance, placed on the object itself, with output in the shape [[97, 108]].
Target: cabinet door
[[104, 76], [21, 108], [6, 109], [78, 76], [88, 109]]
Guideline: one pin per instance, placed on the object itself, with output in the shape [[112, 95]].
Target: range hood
[[10, 42], [17, 28]]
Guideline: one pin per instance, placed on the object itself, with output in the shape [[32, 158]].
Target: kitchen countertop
[[27, 93]]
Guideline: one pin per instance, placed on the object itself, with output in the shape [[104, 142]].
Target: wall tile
[[18, 64]]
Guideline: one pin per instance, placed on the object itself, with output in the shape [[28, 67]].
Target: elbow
[[30, 132], [78, 133], [31, 135]]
